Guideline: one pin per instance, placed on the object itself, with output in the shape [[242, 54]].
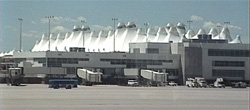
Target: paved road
[[106, 97]]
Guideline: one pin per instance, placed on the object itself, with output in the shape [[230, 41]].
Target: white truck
[[191, 82], [89, 77], [196, 82]]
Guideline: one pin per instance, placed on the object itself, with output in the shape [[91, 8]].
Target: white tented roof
[[201, 31], [183, 38], [173, 35], [237, 40], [213, 32], [103, 41], [190, 34], [169, 25]]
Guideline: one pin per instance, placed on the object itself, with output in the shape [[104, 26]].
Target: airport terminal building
[[171, 49]]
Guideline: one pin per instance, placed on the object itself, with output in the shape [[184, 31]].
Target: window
[[136, 50], [228, 73], [71, 70], [229, 63], [57, 62], [135, 63], [229, 53], [18, 60], [40, 60], [152, 50], [172, 72]]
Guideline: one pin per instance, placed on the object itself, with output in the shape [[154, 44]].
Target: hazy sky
[[98, 14]]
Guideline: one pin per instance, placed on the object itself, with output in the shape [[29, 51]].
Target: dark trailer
[[63, 83]]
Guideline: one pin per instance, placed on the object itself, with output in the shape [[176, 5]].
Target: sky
[[98, 14]]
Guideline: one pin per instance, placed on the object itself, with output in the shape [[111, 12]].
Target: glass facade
[[152, 50], [229, 63], [136, 50], [71, 70], [172, 72], [76, 49], [228, 73], [136, 63], [57, 62], [229, 53], [18, 60]]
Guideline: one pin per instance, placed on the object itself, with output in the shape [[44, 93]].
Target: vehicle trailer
[[63, 83], [15, 76]]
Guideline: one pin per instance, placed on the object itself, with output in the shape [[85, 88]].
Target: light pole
[[20, 19], [83, 23], [189, 22], [114, 19], [226, 23], [146, 25], [49, 17]]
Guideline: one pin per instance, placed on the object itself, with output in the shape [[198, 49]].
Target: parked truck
[[15, 76], [196, 82], [89, 77], [191, 82]]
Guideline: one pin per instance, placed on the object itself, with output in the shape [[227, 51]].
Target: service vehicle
[[196, 82], [63, 83], [15, 76], [239, 85]]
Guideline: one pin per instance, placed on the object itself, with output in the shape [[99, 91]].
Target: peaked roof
[[124, 34], [237, 40]]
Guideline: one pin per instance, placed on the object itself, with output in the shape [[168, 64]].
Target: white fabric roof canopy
[[103, 41]]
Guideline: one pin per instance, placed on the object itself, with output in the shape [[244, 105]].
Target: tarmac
[[112, 97]]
